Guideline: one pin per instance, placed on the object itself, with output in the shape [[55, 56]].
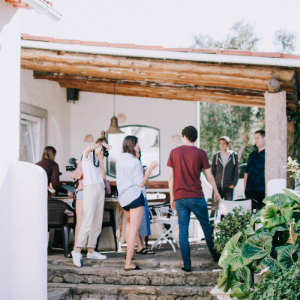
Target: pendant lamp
[[114, 127]]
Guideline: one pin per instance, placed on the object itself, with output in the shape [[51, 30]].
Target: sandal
[[144, 251], [70, 255], [131, 269]]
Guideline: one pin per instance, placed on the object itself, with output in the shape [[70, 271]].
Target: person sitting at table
[[52, 170], [78, 175], [130, 182]]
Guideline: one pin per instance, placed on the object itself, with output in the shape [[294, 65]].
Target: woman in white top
[[130, 182]]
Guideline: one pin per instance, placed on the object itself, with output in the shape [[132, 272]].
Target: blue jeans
[[184, 208]]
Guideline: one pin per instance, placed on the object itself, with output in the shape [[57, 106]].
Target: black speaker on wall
[[72, 95]]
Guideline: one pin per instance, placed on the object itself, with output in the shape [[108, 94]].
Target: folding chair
[[212, 207], [161, 215]]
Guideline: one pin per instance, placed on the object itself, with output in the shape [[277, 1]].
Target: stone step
[[145, 261], [135, 292], [59, 293], [146, 276]]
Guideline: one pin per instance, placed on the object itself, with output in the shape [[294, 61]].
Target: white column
[[276, 142], [10, 42]]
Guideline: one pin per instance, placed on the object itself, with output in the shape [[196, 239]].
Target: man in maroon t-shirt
[[185, 165]]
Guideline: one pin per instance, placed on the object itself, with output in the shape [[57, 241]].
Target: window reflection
[[149, 141]]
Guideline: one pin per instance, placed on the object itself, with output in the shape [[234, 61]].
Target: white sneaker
[[96, 255], [76, 258]]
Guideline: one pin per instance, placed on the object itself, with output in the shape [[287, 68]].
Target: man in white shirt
[[93, 202]]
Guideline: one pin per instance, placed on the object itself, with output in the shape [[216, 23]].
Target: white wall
[[48, 95], [10, 27], [69, 123], [92, 113]]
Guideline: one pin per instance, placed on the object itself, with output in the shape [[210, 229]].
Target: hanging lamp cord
[[114, 99]]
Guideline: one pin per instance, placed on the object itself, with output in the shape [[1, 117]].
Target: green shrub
[[284, 286], [229, 226]]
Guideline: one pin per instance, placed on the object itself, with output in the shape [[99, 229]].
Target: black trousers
[[258, 196], [226, 193]]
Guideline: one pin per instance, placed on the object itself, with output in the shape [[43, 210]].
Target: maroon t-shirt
[[187, 163]]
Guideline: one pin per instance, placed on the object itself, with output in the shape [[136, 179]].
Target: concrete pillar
[[276, 142]]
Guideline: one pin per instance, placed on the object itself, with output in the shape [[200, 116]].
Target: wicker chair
[[58, 219]]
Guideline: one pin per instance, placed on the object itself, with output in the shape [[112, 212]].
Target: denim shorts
[[140, 201], [79, 195]]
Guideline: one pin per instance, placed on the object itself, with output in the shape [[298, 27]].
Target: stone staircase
[[161, 278]]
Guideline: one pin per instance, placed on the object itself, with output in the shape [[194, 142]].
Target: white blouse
[[129, 173]]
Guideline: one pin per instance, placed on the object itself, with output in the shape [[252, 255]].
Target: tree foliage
[[242, 37], [237, 122], [286, 41]]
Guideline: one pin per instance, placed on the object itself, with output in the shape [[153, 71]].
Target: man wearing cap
[[225, 169]]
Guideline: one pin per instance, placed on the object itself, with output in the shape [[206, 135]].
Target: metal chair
[[110, 223], [161, 215], [212, 207], [58, 219]]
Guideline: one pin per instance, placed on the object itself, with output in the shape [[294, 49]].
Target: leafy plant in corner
[[284, 286], [273, 246], [229, 226]]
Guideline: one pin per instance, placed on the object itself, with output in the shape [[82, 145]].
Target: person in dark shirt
[[185, 165], [254, 177], [52, 170]]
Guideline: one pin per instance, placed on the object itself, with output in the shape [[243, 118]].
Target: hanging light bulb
[[114, 127]]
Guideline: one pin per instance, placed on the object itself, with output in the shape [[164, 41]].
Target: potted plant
[[269, 250]]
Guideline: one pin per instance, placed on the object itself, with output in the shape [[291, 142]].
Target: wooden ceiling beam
[[96, 81], [199, 68], [159, 77]]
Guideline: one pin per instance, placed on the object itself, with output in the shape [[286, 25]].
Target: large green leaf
[[224, 279], [271, 218], [232, 255], [257, 246], [241, 283], [283, 227], [287, 257], [279, 200], [293, 195], [270, 262]]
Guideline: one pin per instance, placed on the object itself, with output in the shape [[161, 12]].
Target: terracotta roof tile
[[291, 56], [131, 46], [149, 47], [39, 38], [179, 49], [100, 44], [63, 41], [266, 54], [212, 51], [236, 52], [25, 36]]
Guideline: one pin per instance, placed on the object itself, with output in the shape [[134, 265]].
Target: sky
[[168, 23]]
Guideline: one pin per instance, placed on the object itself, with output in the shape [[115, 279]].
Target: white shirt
[[91, 174], [129, 173]]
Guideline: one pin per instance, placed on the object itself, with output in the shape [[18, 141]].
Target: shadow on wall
[[7, 11]]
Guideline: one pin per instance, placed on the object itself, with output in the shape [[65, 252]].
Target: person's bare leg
[[139, 241], [79, 215], [136, 215], [127, 215], [143, 242]]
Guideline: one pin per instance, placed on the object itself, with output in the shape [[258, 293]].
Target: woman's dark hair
[[129, 143], [49, 152], [190, 132], [102, 138]]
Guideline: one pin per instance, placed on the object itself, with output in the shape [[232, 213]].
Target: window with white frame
[[32, 132]]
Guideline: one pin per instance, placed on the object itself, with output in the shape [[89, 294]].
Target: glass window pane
[[149, 141]]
